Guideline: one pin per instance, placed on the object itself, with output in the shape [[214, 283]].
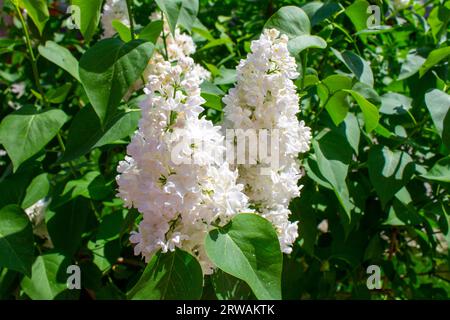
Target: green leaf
[[108, 79], [16, 240], [171, 10], [227, 287], [248, 249], [291, 21], [87, 16], [48, 278], [330, 92], [60, 56], [227, 76], [169, 276], [333, 154], [440, 171], [411, 65], [357, 12], [122, 29], [188, 14], [357, 65], [37, 190], [439, 19], [152, 31], [389, 171], [212, 94], [306, 41], [58, 95], [370, 112], [37, 10], [318, 11], [367, 92], [13, 188], [438, 104], [67, 223], [26, 131], [86, 133], [434, 58], [91, 186], [395, 103]]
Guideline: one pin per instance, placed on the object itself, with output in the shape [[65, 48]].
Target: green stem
[[61, 142], [166, 55], [32, 56], [130, 16], [304, 60]]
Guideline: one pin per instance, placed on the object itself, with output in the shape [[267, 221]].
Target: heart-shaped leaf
[[109, 69], [291, 21], [16, 240], [49, 277], [248, 249], [173, 275], [26, 131]]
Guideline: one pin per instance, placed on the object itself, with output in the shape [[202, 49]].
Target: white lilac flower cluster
[[114, 10], [181, 189], [265, 98]]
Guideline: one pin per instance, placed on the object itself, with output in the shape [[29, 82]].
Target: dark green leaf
[[37, 10], [440, 171], [357, 12], [171, 10], [370, 112], [438, 104], [411, 65], [434, 58], [248, 249], [16, 240], [122, 29], [395, 103], [306, 41], [67, 223], [26, 131], [228, 287], [188, 14], [49, 276], [389, 171], [108, 79], [173, 276], [291, 21], [87, 16], [86, 133], [60, 56], [360, 67], [37, 190], [152, 31]]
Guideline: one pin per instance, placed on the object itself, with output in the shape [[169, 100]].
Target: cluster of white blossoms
[[173, 174], [114, 10], [265, 98]]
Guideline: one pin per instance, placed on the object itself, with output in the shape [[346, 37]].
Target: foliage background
[[370, 196]]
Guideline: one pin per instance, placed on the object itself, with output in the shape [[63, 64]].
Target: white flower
[[18, 89], [114, 10], [265, 98], [36, 214], [173, 174], [401, 4]]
